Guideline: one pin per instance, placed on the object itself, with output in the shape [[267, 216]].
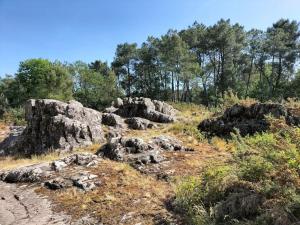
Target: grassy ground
[[257, 178]]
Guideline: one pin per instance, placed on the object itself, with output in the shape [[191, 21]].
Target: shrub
[[264, 171], [254, 168]]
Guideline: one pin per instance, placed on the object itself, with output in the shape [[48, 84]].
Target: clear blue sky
[[70, 30]]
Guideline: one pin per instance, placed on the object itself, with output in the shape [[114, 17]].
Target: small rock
[[58, 183], [169, 144], [84, 182], [111, 119], [85, 159], [58, 165]]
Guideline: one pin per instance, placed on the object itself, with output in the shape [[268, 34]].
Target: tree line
[[198, 64]]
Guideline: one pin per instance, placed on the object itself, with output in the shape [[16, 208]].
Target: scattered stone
[[137, 152], [152, 156], [110, 110], [113, 134], [248, 120], [169, 144], [83, 181], [53, 124], [58, 183], [137, 123], [58, 165], [117, 103], [85, 159], [81, 159]]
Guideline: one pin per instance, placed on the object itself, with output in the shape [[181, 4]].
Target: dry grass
[[4, 131], [124, 197], [9, 162]]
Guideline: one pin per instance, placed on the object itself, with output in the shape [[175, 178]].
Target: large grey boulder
[[136, 151], [247, 119], [156, 111], [53, 124]]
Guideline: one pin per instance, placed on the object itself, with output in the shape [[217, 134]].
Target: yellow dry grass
[[123, 191], [9, 162]]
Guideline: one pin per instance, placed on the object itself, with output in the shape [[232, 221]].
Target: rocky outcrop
[[125, 149], [248, 120], [53, 124], [146, 108], [137, 152], [32, 173]]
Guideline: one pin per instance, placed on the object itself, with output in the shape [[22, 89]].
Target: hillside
[[168, 172]]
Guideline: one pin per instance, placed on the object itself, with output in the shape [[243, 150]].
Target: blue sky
[[70, 30]]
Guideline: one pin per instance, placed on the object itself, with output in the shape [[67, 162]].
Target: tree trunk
[[249, 76], [173, 88], [129, 81], [178, 94]]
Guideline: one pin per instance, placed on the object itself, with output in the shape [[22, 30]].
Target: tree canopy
[[197, 64]]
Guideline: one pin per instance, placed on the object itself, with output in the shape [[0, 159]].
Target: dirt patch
[[124, 197]]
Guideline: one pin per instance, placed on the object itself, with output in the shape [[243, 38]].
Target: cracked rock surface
[[21, 205]]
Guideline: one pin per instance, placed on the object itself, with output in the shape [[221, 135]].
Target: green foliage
[[267, 164], [40, 78], [92, 88], [254, 168]]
